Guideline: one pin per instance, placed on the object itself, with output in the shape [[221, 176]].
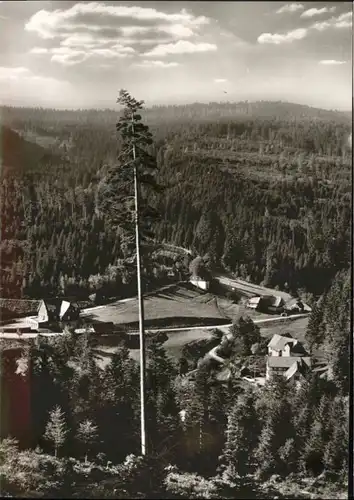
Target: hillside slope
[[22, 156]]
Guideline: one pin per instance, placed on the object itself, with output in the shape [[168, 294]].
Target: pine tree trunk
[[141, 311]]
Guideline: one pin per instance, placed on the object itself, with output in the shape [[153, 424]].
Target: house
[[294, 306], [285, 345], [57, 310], [266, 304], [11, 309], [253, 302], [38, 313], [293, 368], [287, 356], [272, 304], [69, 311], [200, 283]]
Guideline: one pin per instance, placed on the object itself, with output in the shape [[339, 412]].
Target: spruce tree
[[312, 456], [123, 197], [163, 422], [241, 438], [336, 449], [265, 454], [276, 416], [87, 434], [56, 430], [246, 333], [119, 407], [315, 329]]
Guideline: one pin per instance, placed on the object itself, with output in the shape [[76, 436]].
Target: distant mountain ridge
[[267, 110], [249, 110]]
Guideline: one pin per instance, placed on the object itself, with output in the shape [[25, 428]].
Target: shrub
[[189, 485]]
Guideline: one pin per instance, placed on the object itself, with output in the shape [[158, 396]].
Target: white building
[[200, 283]]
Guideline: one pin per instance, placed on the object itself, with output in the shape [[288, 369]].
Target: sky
[[66, 54]]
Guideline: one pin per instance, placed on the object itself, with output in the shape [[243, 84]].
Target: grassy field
[[180, 305], [177, 340], [173, 345], [296, 328], [183, 305]]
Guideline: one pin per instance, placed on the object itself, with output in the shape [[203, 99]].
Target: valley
[[249, 207]]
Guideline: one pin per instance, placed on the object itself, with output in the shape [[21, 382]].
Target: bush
[[189, 485], [25, 471]]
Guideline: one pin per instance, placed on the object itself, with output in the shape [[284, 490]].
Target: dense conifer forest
[[277, 210]]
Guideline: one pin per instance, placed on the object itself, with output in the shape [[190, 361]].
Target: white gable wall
[[42, 313]]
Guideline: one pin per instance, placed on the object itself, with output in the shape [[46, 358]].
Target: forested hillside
[[264, 188]]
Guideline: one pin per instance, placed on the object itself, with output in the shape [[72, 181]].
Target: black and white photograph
[[176, 247]]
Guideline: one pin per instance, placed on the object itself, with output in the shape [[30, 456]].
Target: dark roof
[[293, 302], [287, 361], [298, 349], [55, 309], [271, 301], [299, 366], [15, 308]]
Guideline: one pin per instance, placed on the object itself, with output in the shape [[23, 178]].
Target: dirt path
[[250, 289]]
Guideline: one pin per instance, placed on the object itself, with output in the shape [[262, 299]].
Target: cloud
[[181, 47], [342, 21], [11, 73], [317, 12], [39, 50], [345, 20], [278, 38], [94, 28], [156, 64], [220, 80], [70, 55], [120, 20], [331, 62], [290, 7]]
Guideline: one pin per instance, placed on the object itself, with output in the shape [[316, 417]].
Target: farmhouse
[[266, 303], [200, 283], [288, 357], [29, 315], [281, 345], [38, 313], [11, 309], [61, 310], [294, 368], [253, 303]]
